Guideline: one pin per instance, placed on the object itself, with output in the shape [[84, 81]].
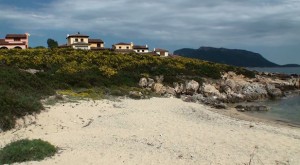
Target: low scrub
[[20, 94], [26, 150]]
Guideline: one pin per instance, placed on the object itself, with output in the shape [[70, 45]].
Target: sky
[[268, 27]]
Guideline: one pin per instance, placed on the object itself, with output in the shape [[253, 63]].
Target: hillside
[[234, 57], [86, 74]]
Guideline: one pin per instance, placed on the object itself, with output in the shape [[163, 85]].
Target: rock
[[273, 91], [243, 108], [179, 88], [220, 106], [191, 87], [159, 79], [170, 91], [198, 97], [143, 82], [135, 94], [209, 90], [188, 98], [159, 88], [150, 82], [254, 91]]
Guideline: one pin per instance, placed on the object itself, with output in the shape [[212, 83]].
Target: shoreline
[[155, 131]]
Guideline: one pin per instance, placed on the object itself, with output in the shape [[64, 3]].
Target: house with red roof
[[161, 52], [82, 41], [14, 41]]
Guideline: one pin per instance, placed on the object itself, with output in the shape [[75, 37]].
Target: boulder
[[159, 88], [191, 87], [254, 91], [210, 90], [273, 91], [150, 82], [179, 88], [243, 108], [135, 94], [170, 91], [143, 82]]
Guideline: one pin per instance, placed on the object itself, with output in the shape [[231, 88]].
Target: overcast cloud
[[263, 26]]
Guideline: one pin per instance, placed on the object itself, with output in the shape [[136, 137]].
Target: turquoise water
[[286, 109], [286, 70]]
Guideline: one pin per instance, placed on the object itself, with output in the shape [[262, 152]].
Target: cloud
[[218, 22]]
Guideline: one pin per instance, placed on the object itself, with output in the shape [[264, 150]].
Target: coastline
[[156, 131]]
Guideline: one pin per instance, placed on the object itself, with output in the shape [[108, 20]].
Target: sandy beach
[[155, 131]]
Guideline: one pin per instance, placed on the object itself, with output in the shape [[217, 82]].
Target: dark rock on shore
[[243, 108]]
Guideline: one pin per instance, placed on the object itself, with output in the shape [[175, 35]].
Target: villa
[[141, 48], [14, 41], [82, 41], [161, 52]]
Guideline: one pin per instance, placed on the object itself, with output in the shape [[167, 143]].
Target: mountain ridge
[[236, 57]]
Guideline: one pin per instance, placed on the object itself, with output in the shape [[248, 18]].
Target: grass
[[26, 150]]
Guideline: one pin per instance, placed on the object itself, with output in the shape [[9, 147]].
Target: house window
[[127, 47], [81, 39], [143, 50], [76, 39], [98, 45], [17, 39], [120, 47]]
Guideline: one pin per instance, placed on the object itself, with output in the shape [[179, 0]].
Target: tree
[[52, 43]]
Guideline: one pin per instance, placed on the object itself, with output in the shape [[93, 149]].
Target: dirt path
[[156, 131]]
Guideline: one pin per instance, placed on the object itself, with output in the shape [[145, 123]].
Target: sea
[[286, 109]]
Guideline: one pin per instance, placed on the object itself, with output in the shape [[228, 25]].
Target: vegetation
[[86, 74], [52, 43], [26, 150]]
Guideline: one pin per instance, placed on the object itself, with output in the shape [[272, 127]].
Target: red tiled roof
[[95, 41], [16, 36], [160, 50], [140, 47]]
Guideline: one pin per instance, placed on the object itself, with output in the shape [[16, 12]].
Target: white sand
[[156, 131]]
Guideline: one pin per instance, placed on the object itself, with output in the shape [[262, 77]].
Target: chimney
[[146, 46], [131, 43], [68, 35], [78, 32]]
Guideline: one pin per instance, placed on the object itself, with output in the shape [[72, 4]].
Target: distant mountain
[[290, 65], [234, 57]]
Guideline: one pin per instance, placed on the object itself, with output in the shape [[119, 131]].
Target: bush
[[26, 150], [20, 94]]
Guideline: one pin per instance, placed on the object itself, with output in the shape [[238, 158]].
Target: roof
[[95, 41], [140, 47], [160, 50], [77, 35], [123, 43], [16, 36]]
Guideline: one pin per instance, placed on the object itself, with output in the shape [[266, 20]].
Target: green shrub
[[26, 150], [20, 94]]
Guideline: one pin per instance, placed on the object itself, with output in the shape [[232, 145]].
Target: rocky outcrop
[[231, 88], [273, 91], [179, 88], [159, 88], [143, 82], [135, 94], [191, 87], [243, 108]]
